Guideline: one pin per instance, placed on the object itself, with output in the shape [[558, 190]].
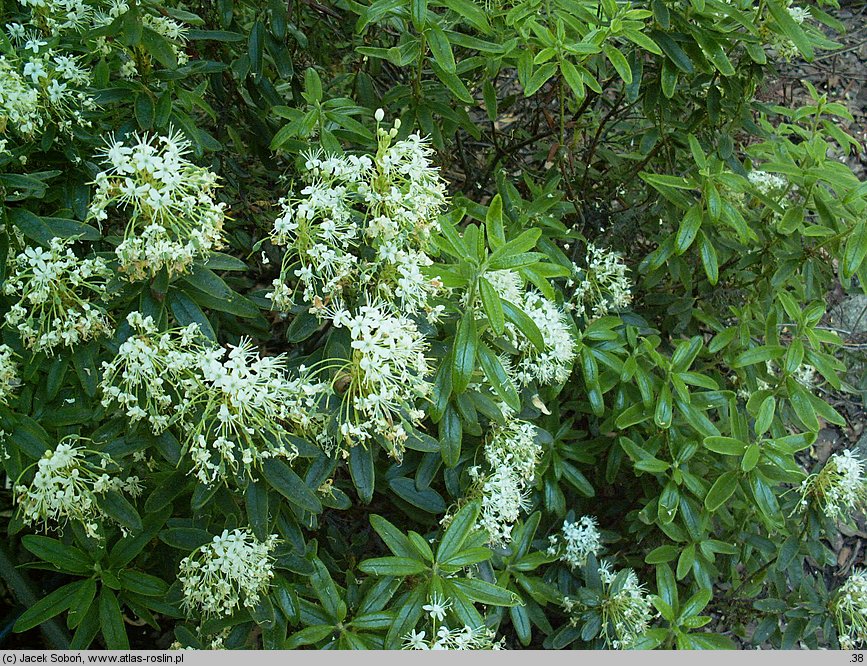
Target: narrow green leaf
[[618, 60], [458, 531], [111, 621], [441, 49], [688, 230], [727, 446], [492, 306], [450, 436], [256, 502], [362, 471], [663, 414], [759, 354], [526, 325], [790, 28], [119, 509], [498, 377], [286, 482], [856, 249], [48, 606], [466, 344], [723, 488], [708, 258]]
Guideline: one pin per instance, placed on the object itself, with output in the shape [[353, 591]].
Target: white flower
[[386, 374], [512, 455], [437, 607], [767, 183], [443, 638], [415, 641], [806, 376], [150, 375], [237, 402], [233, 569], [799, 14], [514, 445], [233, 405], [361, 228], [35, 69], [553, 363], [20, 109]]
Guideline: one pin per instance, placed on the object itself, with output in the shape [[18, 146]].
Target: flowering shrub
[[497, 325]]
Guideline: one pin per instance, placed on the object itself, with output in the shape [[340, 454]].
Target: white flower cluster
[[172, 216], [512, 454], [849, 607], [602, 285], [228, 402], [238, 403], [39, 85], [19, 103], [356, 242], [766, 183], [211, 642], [234, 568], [60, 15], [443, 638], [553, 364], [9, 379], [806, 376], [839, 488], [360, 229], [627, 612], [66, 485], [386, 373], [173, 31], [576, 542], [149, 377], [625, 608], [58, 296]]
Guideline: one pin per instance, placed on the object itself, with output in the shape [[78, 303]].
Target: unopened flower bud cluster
[[9, 379]]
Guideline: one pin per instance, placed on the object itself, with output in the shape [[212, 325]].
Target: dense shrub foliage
[[422, 323]]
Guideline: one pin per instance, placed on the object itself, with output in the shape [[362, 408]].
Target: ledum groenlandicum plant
[[428, 324]]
